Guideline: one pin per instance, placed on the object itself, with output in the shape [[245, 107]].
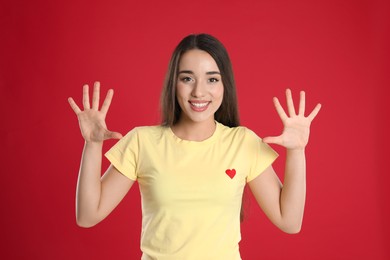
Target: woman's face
[[199, 89]]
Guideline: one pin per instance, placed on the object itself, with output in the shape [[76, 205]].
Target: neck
[[194, 131]]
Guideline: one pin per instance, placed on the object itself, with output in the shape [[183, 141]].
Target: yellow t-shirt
[[191, 191]]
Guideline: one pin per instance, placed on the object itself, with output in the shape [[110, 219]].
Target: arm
[[284, 204], [96, 196]]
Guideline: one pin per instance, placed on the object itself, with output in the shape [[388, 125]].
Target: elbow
[[292, 229], [85, 223]]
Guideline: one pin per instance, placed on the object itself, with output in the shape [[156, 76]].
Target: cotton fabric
[[191, 191]]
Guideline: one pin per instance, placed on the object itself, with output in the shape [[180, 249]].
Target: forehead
[[197, 60]]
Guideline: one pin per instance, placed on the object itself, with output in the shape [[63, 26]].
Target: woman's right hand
[[92, 121]]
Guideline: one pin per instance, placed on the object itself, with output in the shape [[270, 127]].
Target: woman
[[192, 169]]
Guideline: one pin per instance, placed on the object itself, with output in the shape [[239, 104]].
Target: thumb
[[113, 135], [272, 140]]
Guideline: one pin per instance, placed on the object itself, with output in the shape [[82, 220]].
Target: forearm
[[89, 184], [293, 193]]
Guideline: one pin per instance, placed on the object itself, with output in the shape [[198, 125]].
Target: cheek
[[218, 92], [179, 91], [181, 95]]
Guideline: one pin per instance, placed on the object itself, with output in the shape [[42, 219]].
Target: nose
[[198, 90]]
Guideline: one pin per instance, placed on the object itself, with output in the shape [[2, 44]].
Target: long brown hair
[[227, 113]]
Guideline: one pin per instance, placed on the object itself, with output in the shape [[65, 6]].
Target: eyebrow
[[207, 73]]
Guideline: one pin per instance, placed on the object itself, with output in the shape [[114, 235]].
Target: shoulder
[[238, 132], [147, 129], [146, 133]]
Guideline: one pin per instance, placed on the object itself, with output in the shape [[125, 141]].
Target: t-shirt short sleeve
[[124, 154], [263, 154]]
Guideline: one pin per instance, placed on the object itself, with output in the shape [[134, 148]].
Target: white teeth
[[199, 104]]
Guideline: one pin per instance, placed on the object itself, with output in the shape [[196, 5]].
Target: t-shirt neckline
[[209, 140]]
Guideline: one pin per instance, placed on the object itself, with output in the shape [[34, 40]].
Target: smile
[[199, 106]]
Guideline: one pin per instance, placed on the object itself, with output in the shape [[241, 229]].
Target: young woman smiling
[[192, 169]]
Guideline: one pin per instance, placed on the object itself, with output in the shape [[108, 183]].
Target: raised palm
[[92, 121], [296, 130]]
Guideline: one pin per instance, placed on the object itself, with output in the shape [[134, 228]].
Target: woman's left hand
[[296, 126]]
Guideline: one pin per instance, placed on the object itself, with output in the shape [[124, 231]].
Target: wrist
[[296, 150], [94, 144]]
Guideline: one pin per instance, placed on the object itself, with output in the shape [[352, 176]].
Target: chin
[[200, 118]]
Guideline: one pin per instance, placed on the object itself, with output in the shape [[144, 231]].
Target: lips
[[199, 106]]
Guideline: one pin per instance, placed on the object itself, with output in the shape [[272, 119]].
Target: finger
[[96, 96], [314, 113], [280, 109], [114, 135], [290, 103], [86, 97], [302, 104], [74, 106], [107, 101], [273, 140]]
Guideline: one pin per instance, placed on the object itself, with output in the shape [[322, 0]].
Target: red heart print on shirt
[[231, 173]]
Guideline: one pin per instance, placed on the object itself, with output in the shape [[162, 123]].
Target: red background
[[338, 51]]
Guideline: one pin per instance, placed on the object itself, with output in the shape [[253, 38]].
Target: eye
[[186, 79], [213, 80]]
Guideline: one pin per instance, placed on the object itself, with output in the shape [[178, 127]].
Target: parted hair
[[227, 114]]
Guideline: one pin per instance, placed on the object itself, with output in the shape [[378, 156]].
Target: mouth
[[199, 106]]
